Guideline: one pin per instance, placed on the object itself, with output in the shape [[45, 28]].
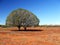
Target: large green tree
[[22, 17]]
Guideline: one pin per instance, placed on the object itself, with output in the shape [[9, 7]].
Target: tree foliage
[[22, 17]]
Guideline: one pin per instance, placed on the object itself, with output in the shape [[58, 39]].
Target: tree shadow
[[27, 30]]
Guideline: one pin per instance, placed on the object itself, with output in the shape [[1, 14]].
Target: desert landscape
[[29, 22], [45, 36]]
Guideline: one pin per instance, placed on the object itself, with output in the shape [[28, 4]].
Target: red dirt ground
[[48, 36]]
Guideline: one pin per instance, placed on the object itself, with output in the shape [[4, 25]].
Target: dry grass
[[48, 36]]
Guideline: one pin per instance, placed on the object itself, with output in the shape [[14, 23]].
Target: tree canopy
[[22, 17]]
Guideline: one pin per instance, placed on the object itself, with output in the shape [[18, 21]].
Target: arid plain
[[45, 36]]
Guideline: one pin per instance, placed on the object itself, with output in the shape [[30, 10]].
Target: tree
[[22, 17]]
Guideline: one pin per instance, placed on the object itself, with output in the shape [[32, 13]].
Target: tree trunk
[[25, 28], [19, 28]]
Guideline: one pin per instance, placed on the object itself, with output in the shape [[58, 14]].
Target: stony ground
[[46, 36]]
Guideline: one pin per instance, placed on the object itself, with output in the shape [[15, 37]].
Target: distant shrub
[[4, 26], [0, 25]]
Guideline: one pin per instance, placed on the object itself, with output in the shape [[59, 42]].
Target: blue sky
[[48, 11]]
